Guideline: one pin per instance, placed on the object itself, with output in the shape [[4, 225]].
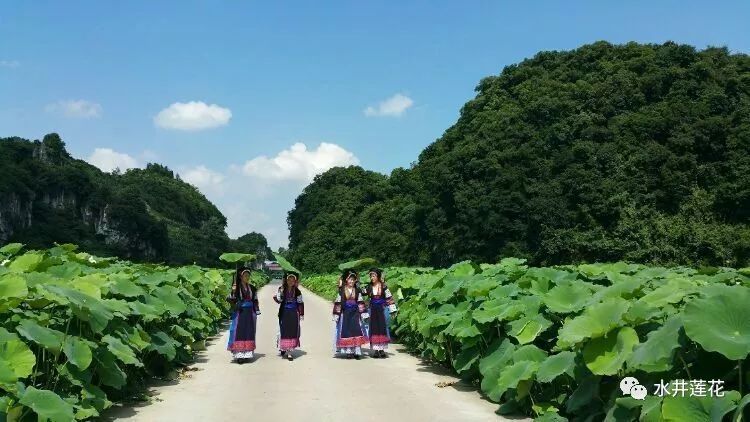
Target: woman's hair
[[349, 272], [377, 272], [285, 282]]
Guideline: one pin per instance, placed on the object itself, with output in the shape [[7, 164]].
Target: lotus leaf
[[18, 356], [512, 375], [567, 298], [606, 355], [45, 337], [11, 249], [233, 257], [47, 405], [77, 351], [698, 409], [721, 323], [359, 264], [12, 286], [657, 352], [556, 365], [595, 321], [123, 353], [527, 329]]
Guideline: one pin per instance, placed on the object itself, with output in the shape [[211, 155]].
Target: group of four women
[[357, 321]]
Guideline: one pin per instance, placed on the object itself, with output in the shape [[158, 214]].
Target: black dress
[[291, 308]]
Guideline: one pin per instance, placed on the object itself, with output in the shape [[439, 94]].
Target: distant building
[[271, 266]]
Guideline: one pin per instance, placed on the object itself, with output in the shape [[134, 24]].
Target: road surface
[[313, 387]]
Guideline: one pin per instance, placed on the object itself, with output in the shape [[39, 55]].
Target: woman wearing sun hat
[[242, 329]]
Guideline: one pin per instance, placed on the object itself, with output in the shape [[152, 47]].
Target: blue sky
[[303, 73]]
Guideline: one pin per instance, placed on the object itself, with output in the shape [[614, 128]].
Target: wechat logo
[[631, 387]]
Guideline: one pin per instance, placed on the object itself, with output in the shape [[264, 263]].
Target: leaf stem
[[685, 365], [739, 366]]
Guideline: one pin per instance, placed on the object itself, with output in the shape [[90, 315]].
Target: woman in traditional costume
[[349, 313], [244, 297], [381, 307], [291, 312]]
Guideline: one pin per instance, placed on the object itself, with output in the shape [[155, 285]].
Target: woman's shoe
[[358, 357], [282, 353], [289, 357]]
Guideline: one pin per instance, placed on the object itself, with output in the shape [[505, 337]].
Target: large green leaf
[[721, 323], [163, 344], [737, 417], [464, 268], [498, 310], [556, 365], [46, 337], [512, 375], [170, 297], [529, 352], [359, 264], [85, 307], [567, 298], [525, 330], [595, 321], [11, 249], [18, 356], [124, 353], [77, 351], [606, 355], [127, 288], [674, 291], [465, 359], [285, 265], [47, 405], [108, 370], [26, 262], [500, 354], [233, 257], [657, 352], [699, 409], [12, 286]]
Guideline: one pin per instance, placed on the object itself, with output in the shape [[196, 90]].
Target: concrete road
[[313, 387]]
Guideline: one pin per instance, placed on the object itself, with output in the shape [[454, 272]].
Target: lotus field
[[554, 343], [78, 332]]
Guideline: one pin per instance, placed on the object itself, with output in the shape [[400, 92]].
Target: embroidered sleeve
[[300, 303], [277, 297], [256, 303], [390, 302], [337, 305], [232, 297], [389, 297]]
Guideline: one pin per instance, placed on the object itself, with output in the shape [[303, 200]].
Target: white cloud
[[107, 160], [392, 107], [82, 109], [256, 196], [149, 156], [298, 163], [206, 180], [192, 116], [10, 63]]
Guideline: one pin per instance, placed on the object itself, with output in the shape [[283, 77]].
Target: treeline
[[146, 214], [608, 152]]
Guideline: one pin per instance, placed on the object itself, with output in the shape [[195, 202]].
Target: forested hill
[[147, 214], [607, 152]]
